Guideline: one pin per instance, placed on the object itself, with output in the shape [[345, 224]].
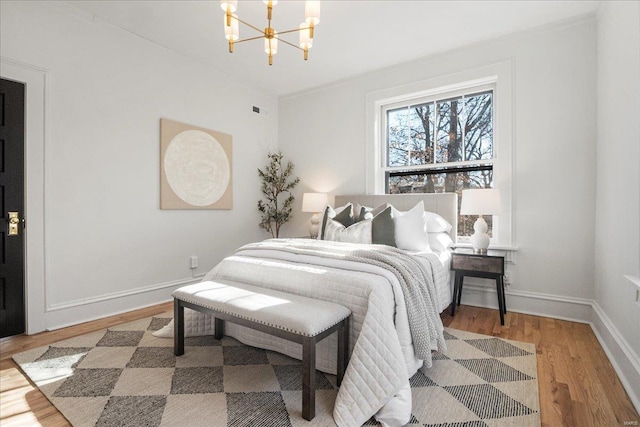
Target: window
[[446, 134], [440, 144]]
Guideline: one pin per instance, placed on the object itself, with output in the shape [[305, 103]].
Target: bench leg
[[343, 350], [219, 328], [178, 327], [309, 378]]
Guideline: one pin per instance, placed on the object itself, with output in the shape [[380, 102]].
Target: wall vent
[[260, 111]]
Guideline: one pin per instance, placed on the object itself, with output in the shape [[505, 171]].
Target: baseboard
[[122, 294], [80, 311], [623, 359], [534, 303]]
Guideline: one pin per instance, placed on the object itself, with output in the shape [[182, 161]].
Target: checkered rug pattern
[[124, 376]]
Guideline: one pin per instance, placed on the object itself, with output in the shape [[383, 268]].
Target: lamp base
[[315, 225], [480, 238]]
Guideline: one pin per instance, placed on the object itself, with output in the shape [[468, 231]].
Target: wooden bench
[[292, 317]]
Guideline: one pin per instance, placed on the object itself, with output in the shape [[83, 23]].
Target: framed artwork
[[195, 167]]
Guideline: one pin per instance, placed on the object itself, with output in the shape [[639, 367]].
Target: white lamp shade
[[231, 32], [481, 201], [312, 12], [231, 5], [314, 202], [305, 40]]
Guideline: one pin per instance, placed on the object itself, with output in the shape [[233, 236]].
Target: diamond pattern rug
[[124, 376]]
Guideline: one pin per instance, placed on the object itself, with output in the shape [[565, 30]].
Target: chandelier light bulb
[[270, 2], [305, 40], [230, 5], [271, 45], [231, 32], [312, 12]]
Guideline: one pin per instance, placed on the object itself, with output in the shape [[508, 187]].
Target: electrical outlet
[[507, 277], [194, 261]]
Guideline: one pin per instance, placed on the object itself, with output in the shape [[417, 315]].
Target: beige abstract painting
[[195, 167]]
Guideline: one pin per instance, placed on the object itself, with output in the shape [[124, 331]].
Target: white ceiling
[[352, 37]]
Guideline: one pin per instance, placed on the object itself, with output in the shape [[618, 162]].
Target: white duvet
[[382, 356]]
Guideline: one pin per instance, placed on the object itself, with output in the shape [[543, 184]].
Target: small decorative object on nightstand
[[314, 203], [489, 266], [480, 201]]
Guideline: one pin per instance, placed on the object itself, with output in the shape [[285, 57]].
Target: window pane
[[478, 126], [422, 121], [449, 132], [398, 140], [449, 182]]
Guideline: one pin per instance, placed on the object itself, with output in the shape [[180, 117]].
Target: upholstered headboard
[[444, 204]]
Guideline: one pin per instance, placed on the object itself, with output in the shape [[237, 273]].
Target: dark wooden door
[[12, 302]]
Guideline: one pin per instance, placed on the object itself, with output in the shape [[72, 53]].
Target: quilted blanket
[[370, 280]]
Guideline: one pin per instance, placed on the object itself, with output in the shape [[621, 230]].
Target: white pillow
[[435, 223], [440, 241], [410, 229]]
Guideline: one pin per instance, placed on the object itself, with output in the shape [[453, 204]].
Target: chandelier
[[269, 34]]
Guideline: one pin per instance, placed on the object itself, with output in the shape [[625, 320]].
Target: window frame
[[499, 78]]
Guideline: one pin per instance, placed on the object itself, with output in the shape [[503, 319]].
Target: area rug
[[124, 376]]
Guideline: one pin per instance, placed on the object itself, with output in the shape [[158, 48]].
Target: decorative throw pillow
[[343, 215], [410, 229], [365, 212], [435, 223], [383, 228], [360, 232]]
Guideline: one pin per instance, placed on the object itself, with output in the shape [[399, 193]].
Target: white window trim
[[500, 75]]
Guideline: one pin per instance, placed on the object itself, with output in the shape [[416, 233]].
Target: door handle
[[13, 223]]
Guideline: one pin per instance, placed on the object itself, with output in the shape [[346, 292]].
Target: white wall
[[105, 93], [617, 227], [323, 131]]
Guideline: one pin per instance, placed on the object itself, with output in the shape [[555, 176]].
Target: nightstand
[[488, 266]]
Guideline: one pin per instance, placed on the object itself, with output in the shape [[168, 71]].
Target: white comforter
[[382, 358]]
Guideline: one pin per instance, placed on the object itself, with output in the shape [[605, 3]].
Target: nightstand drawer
[[477, 263]]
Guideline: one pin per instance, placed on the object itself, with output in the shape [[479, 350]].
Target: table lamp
[[480, 201], [315, 203]]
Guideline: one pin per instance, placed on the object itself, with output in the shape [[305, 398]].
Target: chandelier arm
[[249, 25], [249, 39], [290, 44], [293, 31]]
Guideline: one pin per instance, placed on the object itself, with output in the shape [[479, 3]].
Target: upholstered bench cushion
[[293, 313]]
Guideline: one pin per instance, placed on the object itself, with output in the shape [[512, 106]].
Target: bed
[[392, 335]]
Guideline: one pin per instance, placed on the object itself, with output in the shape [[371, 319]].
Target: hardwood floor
[[578, 386]]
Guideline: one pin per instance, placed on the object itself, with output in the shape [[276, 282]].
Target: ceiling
[[353, 37]]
